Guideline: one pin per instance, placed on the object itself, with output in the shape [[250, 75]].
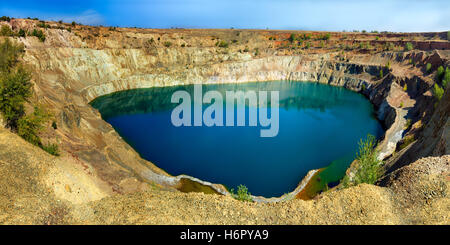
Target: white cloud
[[88, 17]]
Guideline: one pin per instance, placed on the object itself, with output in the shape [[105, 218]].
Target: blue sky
[[327, 15]]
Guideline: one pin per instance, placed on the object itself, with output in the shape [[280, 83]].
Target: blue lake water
[[318, 124]]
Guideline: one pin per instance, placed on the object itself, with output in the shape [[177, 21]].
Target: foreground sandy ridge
[[418, 195]]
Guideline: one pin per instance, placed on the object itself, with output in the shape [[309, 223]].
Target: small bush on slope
[[409, 47], [369, 168], [242, 194], [15, 90], [438, 92], [6, 31], [15, 86]]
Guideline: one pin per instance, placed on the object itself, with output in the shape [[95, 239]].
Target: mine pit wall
[[296, 68], [69, 78]]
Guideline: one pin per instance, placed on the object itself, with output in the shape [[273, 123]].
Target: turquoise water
[[318, 125]]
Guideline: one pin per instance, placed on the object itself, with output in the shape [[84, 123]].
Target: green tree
[[5, 18], [242, 194], [21, 33], [15, 89], [446, 78], [409, 46], [440, 72], [369, 168], [438, 92], [6, 31], [39, 34], [29, 126]]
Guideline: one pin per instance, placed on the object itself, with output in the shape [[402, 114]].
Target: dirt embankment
[[101, 179], [37, 188]]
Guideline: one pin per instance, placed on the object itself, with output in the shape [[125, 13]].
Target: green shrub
[[167, 44], [448, 35], [443, 76], [389, 46], [5, 18], [242, 194], [29, 126], [39, 34], [446, 78], [381, 73], [369, 168], [6, 31], [52, 149], [406, 141], [21, 33], [74, 24], [388, 65], [428, 67], [222, 44], [438, 92], [307, 45], [15, 89], [409, 46], [43, 25], [54, 126], [9, 55], [292, 38], [440, 72], [408, 123], [325, 37], [256, 51]]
